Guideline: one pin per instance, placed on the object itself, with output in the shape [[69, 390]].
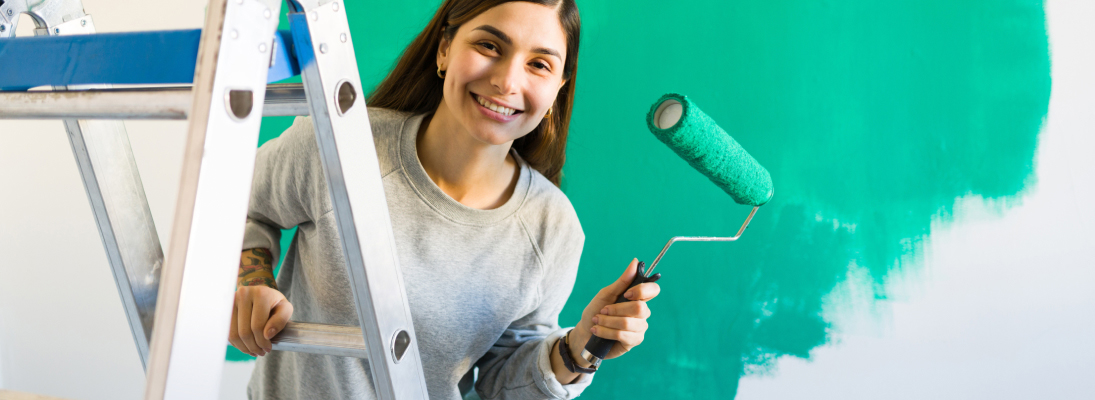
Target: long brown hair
[[413, 85]]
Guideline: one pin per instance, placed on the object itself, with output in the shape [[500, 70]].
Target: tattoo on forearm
[[256, 268], [259, 257], [260, 280], [249, 269]]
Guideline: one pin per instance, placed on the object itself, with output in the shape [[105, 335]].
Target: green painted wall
[[873, 117]]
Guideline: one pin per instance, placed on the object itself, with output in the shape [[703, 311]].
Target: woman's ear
[[443, 53]]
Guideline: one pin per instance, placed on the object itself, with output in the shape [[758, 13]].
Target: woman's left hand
[[624, 322]]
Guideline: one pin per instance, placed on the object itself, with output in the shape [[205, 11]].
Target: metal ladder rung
[[284, 99], [334, 340]]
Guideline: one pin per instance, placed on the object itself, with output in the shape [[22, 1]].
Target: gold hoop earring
[[548, 115], [440, 73]]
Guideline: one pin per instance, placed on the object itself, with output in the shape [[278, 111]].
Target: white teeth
[[494, 107]]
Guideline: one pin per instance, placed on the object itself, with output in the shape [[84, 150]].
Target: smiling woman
[[470, 130], [548, 54]]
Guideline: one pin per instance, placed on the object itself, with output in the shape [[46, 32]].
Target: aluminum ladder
[[178, 306]]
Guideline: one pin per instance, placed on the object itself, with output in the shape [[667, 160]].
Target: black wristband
[[568, 360]]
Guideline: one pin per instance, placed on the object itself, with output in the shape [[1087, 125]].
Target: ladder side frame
[[198, 283], [124, 220], [332, 85]]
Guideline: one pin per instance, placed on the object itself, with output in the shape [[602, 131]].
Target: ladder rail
[[108, 104], [197, 287], [158, 103], [117, 198], [332, 84]]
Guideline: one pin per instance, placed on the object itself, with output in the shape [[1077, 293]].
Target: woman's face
[[504, 70]]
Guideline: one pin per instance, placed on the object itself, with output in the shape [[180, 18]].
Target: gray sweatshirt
[[485, 286]]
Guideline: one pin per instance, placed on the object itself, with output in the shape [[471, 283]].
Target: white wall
[[62, 328], [1005, 306]]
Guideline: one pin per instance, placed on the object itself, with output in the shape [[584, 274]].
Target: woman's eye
[[488, 46], [540, 65]]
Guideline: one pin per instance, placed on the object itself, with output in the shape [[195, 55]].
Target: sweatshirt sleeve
[[287, 188], [518, 366]]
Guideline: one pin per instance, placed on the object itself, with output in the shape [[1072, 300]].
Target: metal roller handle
[[702, 239], [597, 348]]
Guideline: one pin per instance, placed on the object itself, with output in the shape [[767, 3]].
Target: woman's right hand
[[260, 313], [260, 310]]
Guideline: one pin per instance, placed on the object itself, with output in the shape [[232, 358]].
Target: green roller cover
[[694, 136]]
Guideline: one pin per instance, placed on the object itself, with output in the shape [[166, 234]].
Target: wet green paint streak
[[872, 118]]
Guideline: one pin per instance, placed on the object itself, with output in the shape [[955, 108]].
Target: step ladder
[[217, 78]]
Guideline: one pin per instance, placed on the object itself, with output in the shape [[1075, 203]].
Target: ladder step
[[334, 340], [130, 58], [283, 99]]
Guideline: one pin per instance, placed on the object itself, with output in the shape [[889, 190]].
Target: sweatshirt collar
[[438, 199]]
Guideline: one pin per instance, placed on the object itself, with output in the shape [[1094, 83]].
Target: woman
[[470, 130]]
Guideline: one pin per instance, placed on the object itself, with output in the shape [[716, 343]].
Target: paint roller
[[681, 125]]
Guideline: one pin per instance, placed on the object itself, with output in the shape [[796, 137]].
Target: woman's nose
[[507, 76]]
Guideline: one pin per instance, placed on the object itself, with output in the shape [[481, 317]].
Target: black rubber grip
[[599, 346]]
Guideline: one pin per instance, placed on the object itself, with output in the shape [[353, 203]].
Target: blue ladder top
[[131, 58]]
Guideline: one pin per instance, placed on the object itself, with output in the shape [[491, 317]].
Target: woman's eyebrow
[[506, 39]]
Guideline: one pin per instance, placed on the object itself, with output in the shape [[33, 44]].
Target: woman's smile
[[494, 109]]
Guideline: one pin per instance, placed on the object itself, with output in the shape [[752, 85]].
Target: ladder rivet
[[262, 47], [323, 48], [56, 30], [315, 16], [234, 34], [9, 13], [83, 22], [334, 6], [342, 37], [266, 14], [3, 28]]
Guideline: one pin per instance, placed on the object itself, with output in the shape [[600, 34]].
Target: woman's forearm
[[561, 374], [256, 268]]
